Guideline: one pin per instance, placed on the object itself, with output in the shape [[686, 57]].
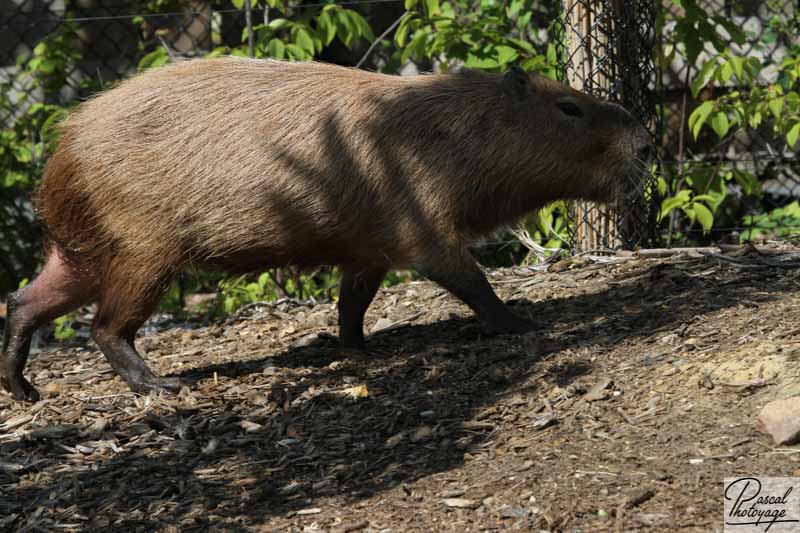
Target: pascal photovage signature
[[748, 502]]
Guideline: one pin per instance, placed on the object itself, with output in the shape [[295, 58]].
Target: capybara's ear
[[516, 83]]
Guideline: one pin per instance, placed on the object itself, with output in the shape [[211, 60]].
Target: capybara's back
[[244, 164]]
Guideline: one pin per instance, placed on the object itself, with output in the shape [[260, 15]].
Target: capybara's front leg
[[458, 272], [357, 289], [124, 359], [128, 297]]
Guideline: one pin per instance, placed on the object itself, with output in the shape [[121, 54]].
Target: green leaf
[[523, 45], [48, 66], [514, 7], [156, 58], [218, 51], [776, 107], [416, 47], [679, 200], [737, 64], [720, 124], [703, 77], [279, 24], [699, 117], [295, 52], [401, 34], [793, 134], [276, 49], [506, 54], [431, 7], [474, 61], [524, 20], [304, 41], [410, 4], [704, 216], [755, 119], [725, 72], [361, 24], [345, 28], [326, 27]]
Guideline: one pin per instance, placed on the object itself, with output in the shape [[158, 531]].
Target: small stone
[[461, 503], [598, 390], [661, 476], [306, 340], [422, 434], [454, 493], [514, 512], [313, 510], [250, 427], [781, 420], [542, 421], [382, 323], [394, 440]]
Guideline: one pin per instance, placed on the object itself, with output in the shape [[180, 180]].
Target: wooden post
[[588, 25]]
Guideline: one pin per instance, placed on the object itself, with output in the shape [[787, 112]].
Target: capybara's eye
[[570, 109]]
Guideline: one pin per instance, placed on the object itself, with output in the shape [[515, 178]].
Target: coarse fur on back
[[247, 164], [243, 164]]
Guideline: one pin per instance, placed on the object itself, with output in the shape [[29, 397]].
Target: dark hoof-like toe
[[150, 384], [20, 389]]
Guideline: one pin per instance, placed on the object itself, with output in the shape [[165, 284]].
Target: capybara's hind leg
[[357, 289], [457, 271], [124, 306], [58, 289]]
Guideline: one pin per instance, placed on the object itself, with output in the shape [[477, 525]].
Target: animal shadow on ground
[[427, 390]]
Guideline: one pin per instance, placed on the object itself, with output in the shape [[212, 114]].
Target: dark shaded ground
[[285, 432]]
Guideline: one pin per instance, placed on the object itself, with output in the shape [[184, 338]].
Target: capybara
[[243, 165]]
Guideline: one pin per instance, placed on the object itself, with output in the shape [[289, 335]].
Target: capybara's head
[[598, 149]]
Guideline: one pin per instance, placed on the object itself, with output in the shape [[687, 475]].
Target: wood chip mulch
[[626, 410]]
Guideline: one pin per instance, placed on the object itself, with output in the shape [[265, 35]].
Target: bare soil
[[623, 413]]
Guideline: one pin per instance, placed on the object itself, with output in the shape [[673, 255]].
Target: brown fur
[[243, 165], [249, 164]]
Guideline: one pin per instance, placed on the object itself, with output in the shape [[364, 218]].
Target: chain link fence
[[754, 153], [607, 51], [606, 48], [100, 42]]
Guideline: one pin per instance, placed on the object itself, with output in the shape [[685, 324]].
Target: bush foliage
[[441, 35]]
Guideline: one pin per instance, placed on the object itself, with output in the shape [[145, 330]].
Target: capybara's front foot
[[151, 383], [511, 324], [19, 387]]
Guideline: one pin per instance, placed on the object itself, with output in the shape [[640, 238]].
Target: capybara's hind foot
[[154, 383], [19, 388]]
